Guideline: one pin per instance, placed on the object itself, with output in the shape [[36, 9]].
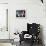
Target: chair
[[33, 30]]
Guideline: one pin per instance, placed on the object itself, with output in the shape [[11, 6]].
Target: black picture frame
[[20, 13]]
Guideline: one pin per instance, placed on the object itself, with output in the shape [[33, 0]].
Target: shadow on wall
[[41, 34]]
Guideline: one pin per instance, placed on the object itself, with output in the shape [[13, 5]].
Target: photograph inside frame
[[20, 13]]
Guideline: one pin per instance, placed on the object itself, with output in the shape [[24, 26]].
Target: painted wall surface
[[3, 21], [35, 13], [3, 1]]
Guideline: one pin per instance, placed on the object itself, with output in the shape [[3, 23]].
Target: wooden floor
[[27, 44]]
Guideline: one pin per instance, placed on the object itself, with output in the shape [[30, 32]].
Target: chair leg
[[32, 42], [20, 42]]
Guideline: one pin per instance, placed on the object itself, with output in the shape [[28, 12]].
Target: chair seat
[[27, 36]]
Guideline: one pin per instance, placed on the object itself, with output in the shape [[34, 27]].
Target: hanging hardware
[[42, 1]]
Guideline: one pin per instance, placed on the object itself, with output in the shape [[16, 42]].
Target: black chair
[[32, 29]]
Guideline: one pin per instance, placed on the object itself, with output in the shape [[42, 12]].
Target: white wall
[[3, 34], [3, 21], [3, 1], [35, 12]]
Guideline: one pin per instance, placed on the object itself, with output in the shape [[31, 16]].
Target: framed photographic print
[[20, 13]]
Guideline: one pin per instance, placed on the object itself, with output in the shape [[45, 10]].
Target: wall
[[3, 34], [35, 12], [3, 1], [3, 21]]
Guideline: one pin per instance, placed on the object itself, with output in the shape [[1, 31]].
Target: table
[[16, 40]]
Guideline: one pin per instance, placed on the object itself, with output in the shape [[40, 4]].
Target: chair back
[[33, 29]]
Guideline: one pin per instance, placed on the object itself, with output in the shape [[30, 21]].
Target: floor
[[5, 44], [23, 43], [26, 44]]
